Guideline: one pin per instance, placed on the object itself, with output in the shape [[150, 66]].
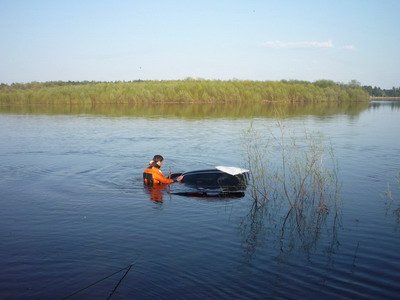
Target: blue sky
[[257, 40]]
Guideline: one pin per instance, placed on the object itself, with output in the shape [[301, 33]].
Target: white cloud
[[349, 47], [298, 45]]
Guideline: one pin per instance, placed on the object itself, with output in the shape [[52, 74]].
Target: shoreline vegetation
[[377, 92], [180, 91]]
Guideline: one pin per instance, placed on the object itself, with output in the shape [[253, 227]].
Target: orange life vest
[[153, 175]]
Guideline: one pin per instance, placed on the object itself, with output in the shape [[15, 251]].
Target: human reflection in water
[[155, 181], [156, 192]]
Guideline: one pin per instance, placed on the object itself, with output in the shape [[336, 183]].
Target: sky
[[110, 40]]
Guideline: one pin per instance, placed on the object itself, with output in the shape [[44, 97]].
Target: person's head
[[157, 161]]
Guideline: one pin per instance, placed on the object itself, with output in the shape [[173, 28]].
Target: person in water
[[153, 175]]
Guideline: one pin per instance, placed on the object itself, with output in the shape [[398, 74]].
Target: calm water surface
[[74, 210]]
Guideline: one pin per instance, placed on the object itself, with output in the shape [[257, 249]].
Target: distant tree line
[[378, 92]]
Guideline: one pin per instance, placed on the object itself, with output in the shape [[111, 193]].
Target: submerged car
[[221, 181]]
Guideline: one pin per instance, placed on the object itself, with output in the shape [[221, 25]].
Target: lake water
[[74, 210]]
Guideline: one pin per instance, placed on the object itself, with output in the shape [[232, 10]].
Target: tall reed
[[178, 91], [392, 198], [294, 182]]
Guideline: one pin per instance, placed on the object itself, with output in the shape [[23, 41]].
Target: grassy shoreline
[[179, 91]]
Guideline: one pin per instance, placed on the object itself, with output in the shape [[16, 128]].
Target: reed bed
[[392, 199], [293, 184], [179, 91]]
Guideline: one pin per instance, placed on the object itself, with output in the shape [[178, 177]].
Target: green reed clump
[[392, 200], [178, 91], [294, 179], [301, 166]]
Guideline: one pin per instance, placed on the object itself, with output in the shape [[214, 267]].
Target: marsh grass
[[179, 91], [392, 202], [293, 184]]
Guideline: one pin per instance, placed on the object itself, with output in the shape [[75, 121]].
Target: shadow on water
[[194, 111], [158, 192]]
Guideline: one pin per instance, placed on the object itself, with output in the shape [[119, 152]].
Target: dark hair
[[157, 158]]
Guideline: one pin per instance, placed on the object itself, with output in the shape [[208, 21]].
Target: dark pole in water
[[90, 285], [109, 297]]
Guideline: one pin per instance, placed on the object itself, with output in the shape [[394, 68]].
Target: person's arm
[[160, 177]]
